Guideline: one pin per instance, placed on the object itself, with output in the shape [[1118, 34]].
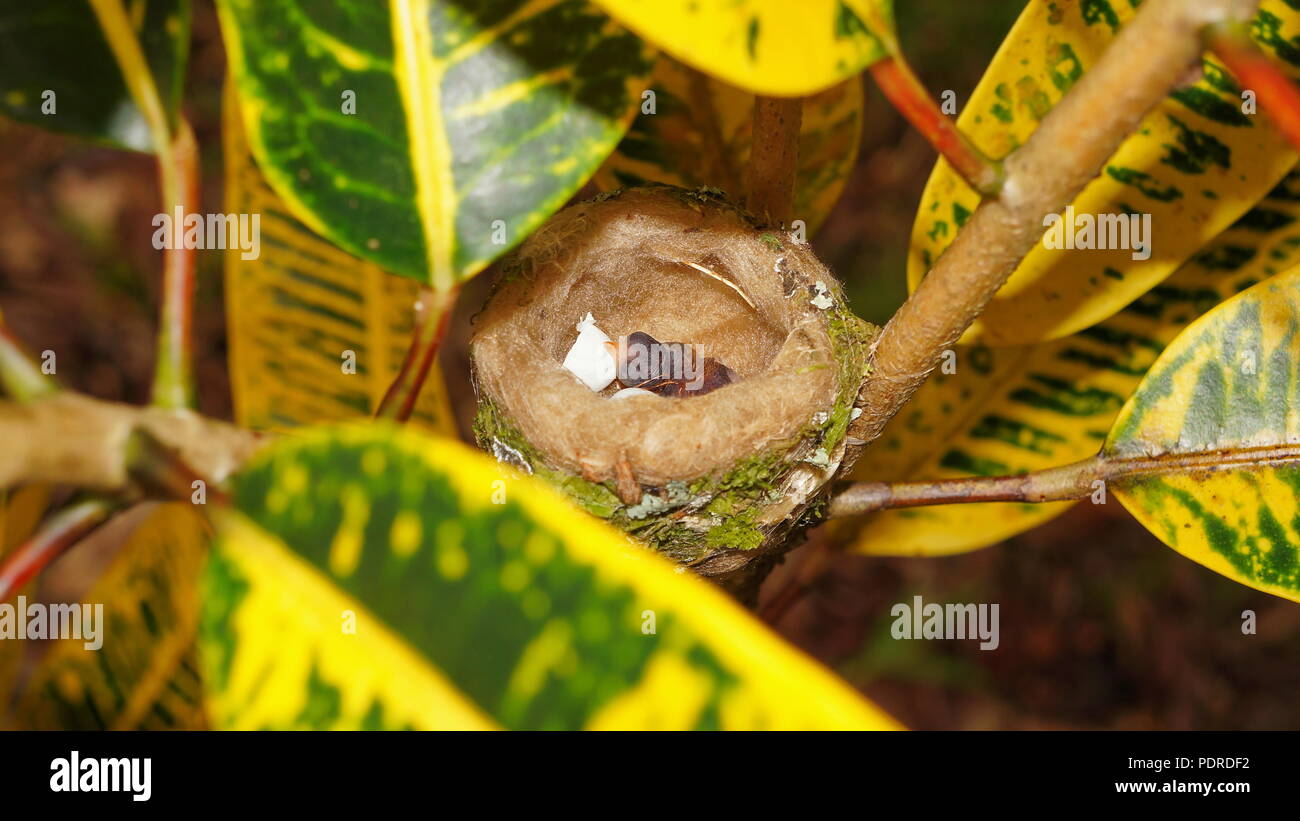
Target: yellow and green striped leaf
[[60, 48], [1195, 165], [766, 46], [473, 122], [299, 314], [700, 133], [377, 577], [1221, 406], [1026, 408], [145, 675]]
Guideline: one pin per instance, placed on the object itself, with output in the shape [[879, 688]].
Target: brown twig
[[904, 90], [1069, 148], [432, 316], [160, 471], [774, 159], [720, 278], [84, 442], [1070, 482], [1066, 483]]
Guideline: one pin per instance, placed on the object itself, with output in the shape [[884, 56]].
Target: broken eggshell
[[591, 358], [628, 393]]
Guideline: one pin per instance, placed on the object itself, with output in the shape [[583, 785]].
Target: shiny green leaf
[[429, 136], [58, 48], [315, 334]]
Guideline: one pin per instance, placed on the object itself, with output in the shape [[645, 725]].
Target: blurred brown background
[[1101, 625]]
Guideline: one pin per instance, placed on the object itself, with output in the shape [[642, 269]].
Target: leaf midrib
[[419, 82]]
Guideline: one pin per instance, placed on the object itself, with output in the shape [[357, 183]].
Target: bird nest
[[699, 476]]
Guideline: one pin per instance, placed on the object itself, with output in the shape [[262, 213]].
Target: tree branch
[[1072, 481], [1066, 483], [774, 158], [1044, 175], [88, 443]]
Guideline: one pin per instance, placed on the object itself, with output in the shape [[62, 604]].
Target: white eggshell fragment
[[627, 392], [590, 359]]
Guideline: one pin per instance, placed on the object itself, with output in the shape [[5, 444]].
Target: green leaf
[[377, 577], [145, 675], [1195, 164], [700, 133], [60, 48], [1218, 412], [473, 121], [1026, 408], [315, 335], [767, 46]]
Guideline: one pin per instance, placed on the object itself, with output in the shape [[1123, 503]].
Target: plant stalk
[[433, 311], [173, 385], [75, 440], [774, 159], [907, 94], [177, 155], [160, 471], [65, 529], [1277, 94]]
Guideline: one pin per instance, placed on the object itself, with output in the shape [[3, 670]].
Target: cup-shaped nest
[[698, 476]]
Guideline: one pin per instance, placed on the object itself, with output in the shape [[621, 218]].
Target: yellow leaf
[[1025, 408], [1195, 164], [145, 674], [1220, 409], [700, 133], [773, 47], [315, 335], [377, 577]]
